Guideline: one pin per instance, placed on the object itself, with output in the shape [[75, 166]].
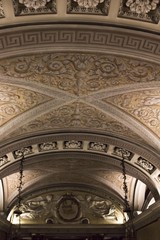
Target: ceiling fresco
[[79, 94]]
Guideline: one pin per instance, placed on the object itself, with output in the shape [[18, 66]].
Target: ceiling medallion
[[68, 208], [88, 3], [34, 3]]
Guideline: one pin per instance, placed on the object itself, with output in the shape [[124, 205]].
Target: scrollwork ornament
[[48, 146], [88, 3], [146, 165], [1, 10], [19, 153], [3, 160]]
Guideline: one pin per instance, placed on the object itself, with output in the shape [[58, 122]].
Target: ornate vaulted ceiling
[[79, 88]]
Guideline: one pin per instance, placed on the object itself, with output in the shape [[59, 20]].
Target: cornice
[[70, 37]]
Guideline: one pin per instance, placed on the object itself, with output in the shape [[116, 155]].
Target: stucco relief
[[66, 117], [143, 105], [83, 73], [16, 100], [30, 7], [146, 10], [96, 7], [70, 207]]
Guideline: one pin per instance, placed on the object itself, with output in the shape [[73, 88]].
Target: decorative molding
[[84, 73], [95, 38], [96, 7], [29, 7], [83, 145], [70, 207], [143, 10], [145, 165]]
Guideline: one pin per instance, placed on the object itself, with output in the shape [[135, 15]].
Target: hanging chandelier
[[130, 233], [88, 3]]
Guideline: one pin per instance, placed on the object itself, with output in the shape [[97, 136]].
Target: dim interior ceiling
[[77, 92]]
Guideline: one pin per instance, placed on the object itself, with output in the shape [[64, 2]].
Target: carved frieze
[[73, 144], [97, 146], [30, 7], [146, 165], [83, 73], [96, 7], [144, 10], [122, 153], [19, 153], [70, 207], [48, 146]]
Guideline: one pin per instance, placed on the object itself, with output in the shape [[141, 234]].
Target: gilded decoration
[[83, 73], [70, 207], [96, 7], [143, 105], [144, 10], [30, 7], [15, 100]]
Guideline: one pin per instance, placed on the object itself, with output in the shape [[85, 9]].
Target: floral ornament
[[88, 3], [34, 3], [141, 72], [142, 6], [22, 152], [105, 73], [145, 164], [3, 160], [56, 66], [106, 68], [1, 10]]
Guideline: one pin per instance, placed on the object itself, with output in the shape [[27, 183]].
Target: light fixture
[[130, 233]]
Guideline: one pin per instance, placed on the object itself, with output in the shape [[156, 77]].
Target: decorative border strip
[[70, 36], [78, 145]]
